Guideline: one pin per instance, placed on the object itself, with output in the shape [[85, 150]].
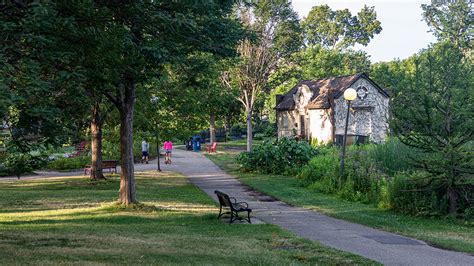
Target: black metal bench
[[233, 206]]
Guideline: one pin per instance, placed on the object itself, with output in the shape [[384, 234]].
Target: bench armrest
[[243, 203]]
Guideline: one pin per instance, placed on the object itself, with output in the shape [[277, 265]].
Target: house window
[[361, 139], [284, 119], [352, 139]]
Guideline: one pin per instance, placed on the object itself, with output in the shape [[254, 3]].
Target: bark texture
[[249, 131], [452, 198], [212, 129], [96, 143], [127, 194]]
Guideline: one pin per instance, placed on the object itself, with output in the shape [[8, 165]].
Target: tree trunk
[[127, 193], [452, 198], [212, 129], [226, 129], [249, 131], [96, 143]]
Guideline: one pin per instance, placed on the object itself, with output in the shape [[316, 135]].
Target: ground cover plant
[[73, 220], [67, 164], [277, 156], [449, 233]]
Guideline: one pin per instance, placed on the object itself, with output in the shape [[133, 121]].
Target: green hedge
[[285, 155]]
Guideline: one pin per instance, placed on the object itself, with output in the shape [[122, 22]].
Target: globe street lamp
[[350, 94], [154, 100]]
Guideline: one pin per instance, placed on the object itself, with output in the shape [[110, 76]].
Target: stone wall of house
[[286, 121], [368, 116], [320, 125], [289, 122]]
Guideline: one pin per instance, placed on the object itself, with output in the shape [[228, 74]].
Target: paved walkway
[[387, 248]]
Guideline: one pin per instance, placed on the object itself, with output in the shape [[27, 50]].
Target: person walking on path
[[168, 147], [145, 149]]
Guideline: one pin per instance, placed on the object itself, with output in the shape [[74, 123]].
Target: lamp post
[[154, 100], [350, 94]]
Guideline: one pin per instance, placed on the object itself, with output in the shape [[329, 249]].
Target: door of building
[[302, 126]]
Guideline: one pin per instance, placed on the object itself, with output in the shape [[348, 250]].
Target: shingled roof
[[320, 89]]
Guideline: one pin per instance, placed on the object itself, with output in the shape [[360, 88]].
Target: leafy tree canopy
[[451, 21], [339, 28]]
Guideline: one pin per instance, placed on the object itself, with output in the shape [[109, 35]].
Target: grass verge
[[445, 233], [73, 220]]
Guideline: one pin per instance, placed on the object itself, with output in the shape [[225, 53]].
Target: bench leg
[[248, 217], [220, 212]]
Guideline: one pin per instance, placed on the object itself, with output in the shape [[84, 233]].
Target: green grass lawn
[[445, 233], [73, 220], [238, 143]]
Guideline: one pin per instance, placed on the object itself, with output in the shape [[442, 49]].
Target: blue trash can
[[196, 143]]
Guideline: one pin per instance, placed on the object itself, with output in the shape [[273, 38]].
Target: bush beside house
[[374, 174]]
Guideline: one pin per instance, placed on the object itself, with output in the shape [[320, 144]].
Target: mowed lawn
[[441, 232], [73, 220]]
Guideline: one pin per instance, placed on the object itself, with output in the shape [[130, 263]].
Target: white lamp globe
[[350, 94]]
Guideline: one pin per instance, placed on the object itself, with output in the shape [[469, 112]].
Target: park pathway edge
[[381, 246]]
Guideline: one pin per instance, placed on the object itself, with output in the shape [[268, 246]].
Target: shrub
[[266, 128], [409, 195], [236, 130], [18, 163], [391, 156], [285, 155], [324, 169], [259, 136], [63, 164], [271, 130]]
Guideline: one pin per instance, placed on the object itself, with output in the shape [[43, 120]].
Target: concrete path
[[387, 248]]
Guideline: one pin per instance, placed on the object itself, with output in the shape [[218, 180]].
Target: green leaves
[[433, 113], [451, 21], [339, 29], [279, 156]]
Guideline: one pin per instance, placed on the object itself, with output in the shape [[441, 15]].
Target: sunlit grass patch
[[75, 220]]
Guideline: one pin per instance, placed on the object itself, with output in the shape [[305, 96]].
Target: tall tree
[[434, 114], [451, 21], [340, 29], [152, 33], [131, 41], [273, 23]]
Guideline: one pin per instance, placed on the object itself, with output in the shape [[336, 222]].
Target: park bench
[[233, 207], [110, 165], [211, 148]]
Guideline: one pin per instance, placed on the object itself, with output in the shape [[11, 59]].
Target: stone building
[[316, 110]]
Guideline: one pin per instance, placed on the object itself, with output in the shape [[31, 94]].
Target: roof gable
[[321, 90]]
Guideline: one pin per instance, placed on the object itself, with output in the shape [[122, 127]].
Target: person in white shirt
[[145, 148]]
